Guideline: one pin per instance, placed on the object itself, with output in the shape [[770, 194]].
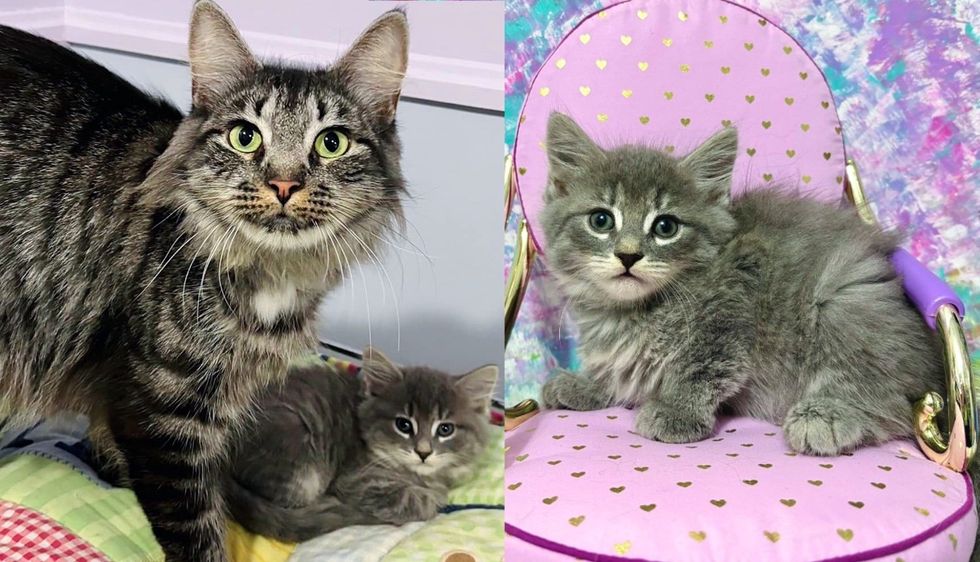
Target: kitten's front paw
[[571, 392], [823, 426], [415, 503], [662, 423]]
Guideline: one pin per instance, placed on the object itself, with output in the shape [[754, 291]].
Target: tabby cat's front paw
[[663, 423], [823, 426], [571, 392]]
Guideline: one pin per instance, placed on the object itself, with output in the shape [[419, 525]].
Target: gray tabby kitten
[[330, 451], [771, 306], [158, 269]]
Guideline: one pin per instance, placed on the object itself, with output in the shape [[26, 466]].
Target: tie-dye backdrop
[[905, 76]]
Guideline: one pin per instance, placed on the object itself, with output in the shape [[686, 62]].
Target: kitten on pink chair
[[770, 305]]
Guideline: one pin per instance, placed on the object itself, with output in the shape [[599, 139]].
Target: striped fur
[[136, 248]]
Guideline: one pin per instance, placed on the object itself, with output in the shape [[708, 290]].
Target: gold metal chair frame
[[953, 449]]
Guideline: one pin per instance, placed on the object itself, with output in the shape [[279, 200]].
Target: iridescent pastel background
[[905, 77]]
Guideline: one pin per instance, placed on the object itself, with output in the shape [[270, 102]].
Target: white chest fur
[[272, 302]]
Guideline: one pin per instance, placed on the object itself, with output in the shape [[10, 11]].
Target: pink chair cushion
[[672, 72], [582, 485]]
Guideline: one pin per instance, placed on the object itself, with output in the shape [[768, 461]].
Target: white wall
[[456, 50], [450, 308]]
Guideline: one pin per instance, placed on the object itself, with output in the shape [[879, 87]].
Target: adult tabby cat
[[157, 269], [331, 451], [771, 305]]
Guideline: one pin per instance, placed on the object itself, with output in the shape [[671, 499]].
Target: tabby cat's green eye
[[331, 143], [601, 221], [245, 138]]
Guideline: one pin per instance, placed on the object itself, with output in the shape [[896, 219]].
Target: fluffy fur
[[327, 452], [151, 276], [772, 306]]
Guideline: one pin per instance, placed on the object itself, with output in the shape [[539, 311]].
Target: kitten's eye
[[445, 429], [245, 138], [403, 425], [601, 221], [331, 143], [665, 227]]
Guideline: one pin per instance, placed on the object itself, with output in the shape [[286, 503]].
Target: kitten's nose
[[284, 189], [423, 454], [629, 259]]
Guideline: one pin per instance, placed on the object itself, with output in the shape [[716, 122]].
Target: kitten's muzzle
[[284, 189]]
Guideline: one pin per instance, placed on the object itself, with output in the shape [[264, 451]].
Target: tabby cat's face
[[423, 420], [294, 158], [627, 223]]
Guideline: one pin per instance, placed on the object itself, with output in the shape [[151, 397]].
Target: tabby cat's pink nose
[[284, 189]]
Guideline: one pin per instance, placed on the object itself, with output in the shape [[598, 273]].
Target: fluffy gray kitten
[[156, 269], [772, 305], [332, 451]]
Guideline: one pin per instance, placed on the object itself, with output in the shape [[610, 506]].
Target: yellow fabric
[[248, 547]]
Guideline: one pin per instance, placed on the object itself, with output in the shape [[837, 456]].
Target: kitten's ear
[[376, 62], [713, 162], [379, 371], [218, 55], [569, 150], [478, 385]]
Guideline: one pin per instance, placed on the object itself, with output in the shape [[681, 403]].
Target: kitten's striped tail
[[291, 524]]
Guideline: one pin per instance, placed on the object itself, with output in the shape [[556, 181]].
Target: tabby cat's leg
[[175, 452], [574, 392], [107, 459]]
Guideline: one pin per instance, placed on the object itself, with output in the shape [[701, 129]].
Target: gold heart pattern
[[622, 460], [605, 45]]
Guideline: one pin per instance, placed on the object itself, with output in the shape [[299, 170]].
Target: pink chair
[[580, 485]]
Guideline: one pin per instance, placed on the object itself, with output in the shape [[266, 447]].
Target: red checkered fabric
[[26, 535]]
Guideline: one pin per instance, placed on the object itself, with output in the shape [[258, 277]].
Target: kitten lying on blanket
[[332, 451], [770, 305]]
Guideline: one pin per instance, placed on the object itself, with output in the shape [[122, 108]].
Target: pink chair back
[[670, 73]]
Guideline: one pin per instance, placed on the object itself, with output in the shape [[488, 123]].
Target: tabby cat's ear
[[379, 371], [712, 164], [375, 64], [570, 150], [218, 55], [477, 386]]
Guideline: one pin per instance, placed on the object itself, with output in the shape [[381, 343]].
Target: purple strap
[[927, 291]]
